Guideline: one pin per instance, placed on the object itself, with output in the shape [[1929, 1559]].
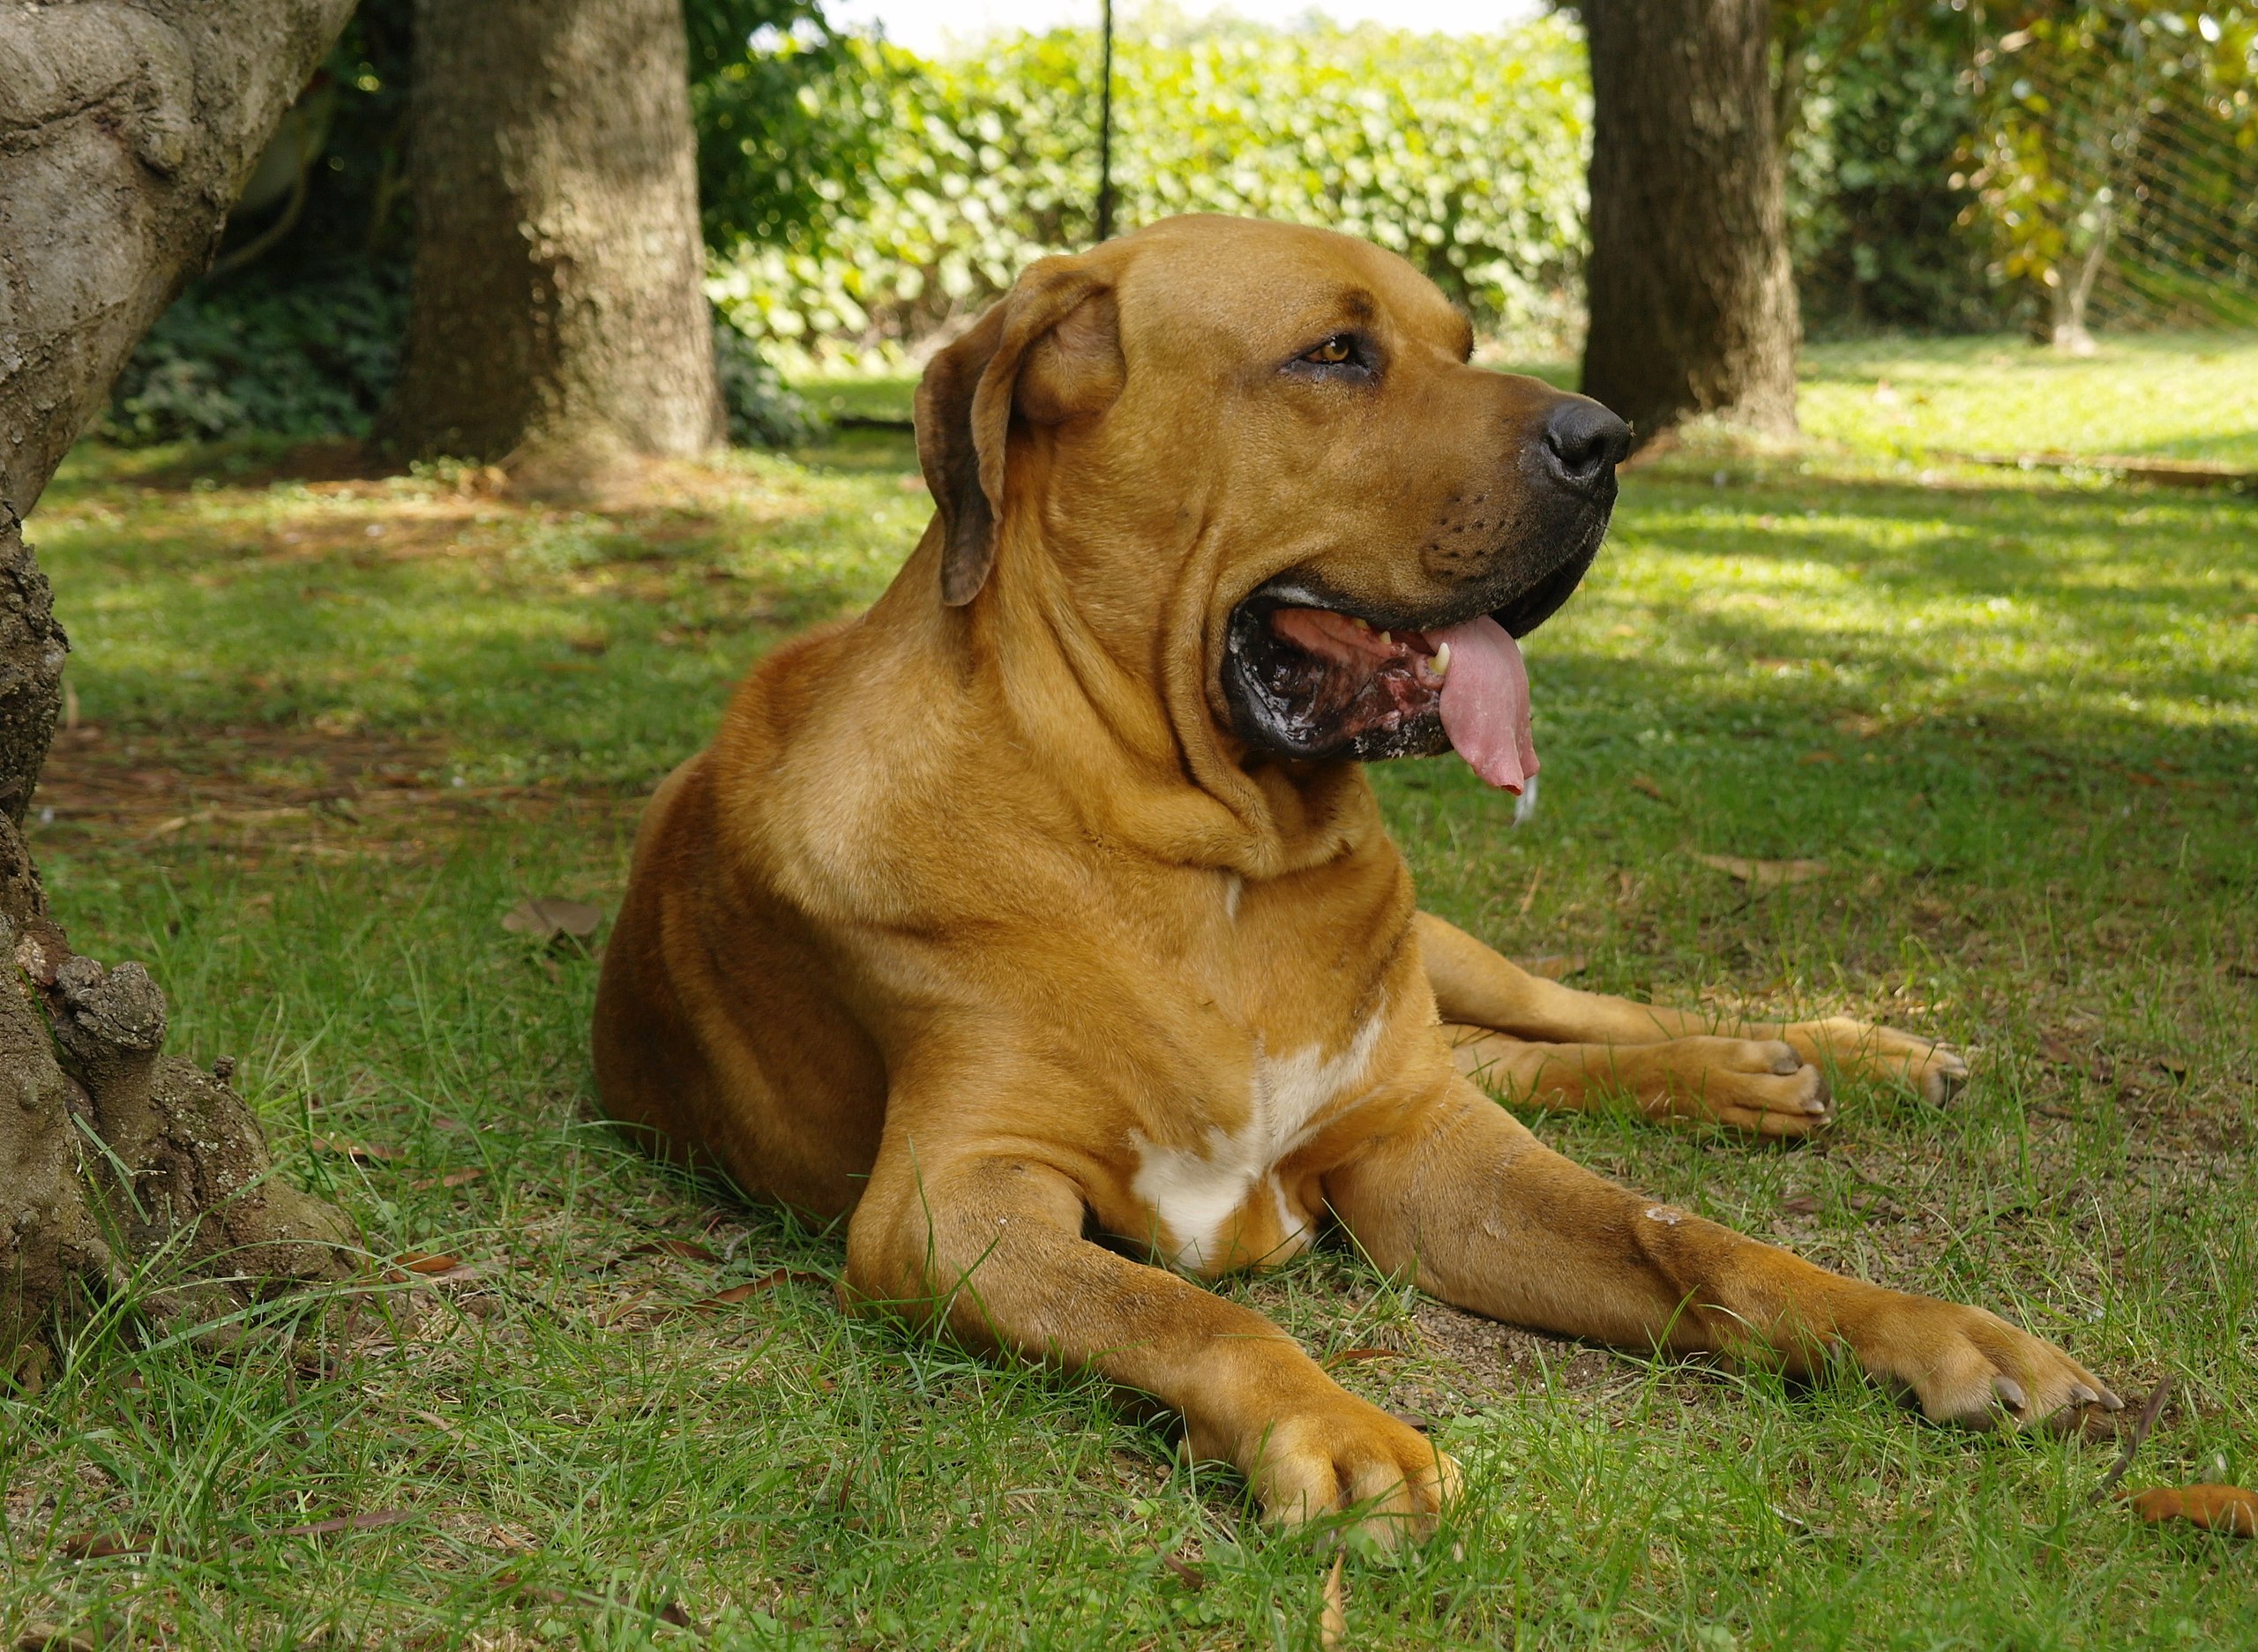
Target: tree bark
[[1693, 300], [557, 304], [126, 131]]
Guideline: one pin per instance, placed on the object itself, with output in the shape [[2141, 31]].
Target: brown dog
[[1048, 898]]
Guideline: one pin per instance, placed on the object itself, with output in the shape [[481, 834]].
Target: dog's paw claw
[[1942, 1076]]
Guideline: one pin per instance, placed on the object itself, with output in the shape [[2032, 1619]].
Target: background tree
[[558, 303], [128, 130], [1692, 296]]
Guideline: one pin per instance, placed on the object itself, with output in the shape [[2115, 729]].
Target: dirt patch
[[1444, 1361], [1489, 1361], [265, 781], [328, 459]]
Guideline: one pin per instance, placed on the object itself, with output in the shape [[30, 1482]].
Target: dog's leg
[[992, 1248], [1469, 1203], [1475, 985], [1755, 1085]]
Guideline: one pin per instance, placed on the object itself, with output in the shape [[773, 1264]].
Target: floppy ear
[[1052, 351]]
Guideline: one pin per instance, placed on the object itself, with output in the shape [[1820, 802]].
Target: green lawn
[[328, 733], [2141, 395]]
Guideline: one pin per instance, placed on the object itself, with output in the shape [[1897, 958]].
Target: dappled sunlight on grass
[[2188, 396], [582, 643], [314, 766], [2116, 620]]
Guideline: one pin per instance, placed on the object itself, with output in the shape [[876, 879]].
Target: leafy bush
[[1874, 207], [763, 410], [1467, 156], [785, 127], [295, 356], [1950, 171], [2118, 161]]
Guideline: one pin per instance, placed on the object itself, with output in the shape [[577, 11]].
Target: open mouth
[[1319, 682], [1308, 676]]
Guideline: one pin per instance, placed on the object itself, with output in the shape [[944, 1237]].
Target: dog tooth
[[1387, 641], [1361, 624], [1440, 664]]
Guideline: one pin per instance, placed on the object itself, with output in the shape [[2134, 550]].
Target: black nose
[[1586, 441]]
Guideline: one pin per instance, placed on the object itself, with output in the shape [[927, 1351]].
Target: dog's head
[[1264, 446]]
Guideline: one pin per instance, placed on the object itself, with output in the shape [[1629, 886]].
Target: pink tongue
[[1486, 702]]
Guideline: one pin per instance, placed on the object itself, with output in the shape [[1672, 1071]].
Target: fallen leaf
[[2227, 1508], [35, 1636], [550, 917], [1410, 1419], [1650, 785], [452, 1179], [372, 1521], [688, 1249], [1191, 1576], [1764, 874], [2174, 1066], [1351, 1355], [101, 1545], [1806, 1204], [1556, 966], [359, 1152], [752, 1287], [429, 1267], [2133, 1436], [1818, 757], [1333, 1618], [511, 1583]]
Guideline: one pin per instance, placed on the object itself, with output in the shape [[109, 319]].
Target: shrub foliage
[[1465, 155]]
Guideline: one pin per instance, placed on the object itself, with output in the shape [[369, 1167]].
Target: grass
[[330, 733], [2179, 396]]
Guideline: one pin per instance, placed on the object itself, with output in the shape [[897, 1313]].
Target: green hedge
[[1466, 155]]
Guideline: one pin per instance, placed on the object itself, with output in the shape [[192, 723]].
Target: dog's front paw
[[1932, 1071], [1763, 1086], [1969, 1367], [1354, 1458]]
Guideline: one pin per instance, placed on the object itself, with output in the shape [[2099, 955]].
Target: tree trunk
[[1693, 300], [125, 130], [556, 307]]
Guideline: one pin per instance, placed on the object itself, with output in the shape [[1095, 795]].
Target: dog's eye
[[1334, 352]]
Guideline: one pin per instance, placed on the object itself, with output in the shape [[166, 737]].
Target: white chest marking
[[1195, 1190]]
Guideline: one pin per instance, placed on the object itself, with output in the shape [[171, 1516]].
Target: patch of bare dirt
[[1489, 1360], [295, 783]]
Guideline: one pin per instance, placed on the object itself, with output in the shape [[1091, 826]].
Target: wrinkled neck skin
[[1070, 662]]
